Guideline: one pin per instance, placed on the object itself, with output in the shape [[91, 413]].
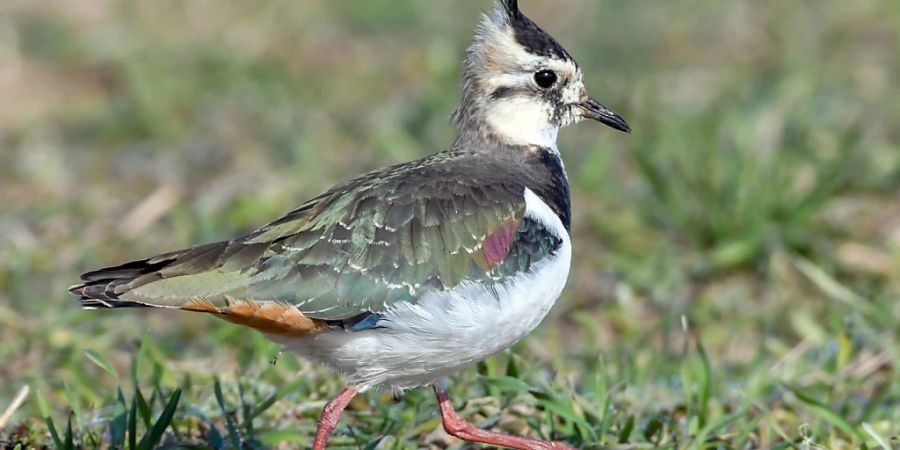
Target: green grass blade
[[878, 438], [832, 288], [567, 411], [45, 413], [214, 437], [627, 428], [103, 363], [508, 384], [710, 430], [704, 383], [826, 413], [262, 406], [51, 427], [132, 421], [143, 407], [70, 438], [153, 437], [118, 425], [72, 399], [137, 365], [246, 411], [269, 401], [233, 433]]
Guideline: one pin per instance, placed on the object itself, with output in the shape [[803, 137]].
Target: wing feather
[[383, 238]]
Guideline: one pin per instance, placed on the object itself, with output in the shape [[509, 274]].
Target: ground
[[736, 277]]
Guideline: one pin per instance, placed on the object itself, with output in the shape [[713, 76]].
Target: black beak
[[591, 109]]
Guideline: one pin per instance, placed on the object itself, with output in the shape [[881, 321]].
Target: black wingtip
[[91, 296], [93, 303], [100, 295], [76, 288]]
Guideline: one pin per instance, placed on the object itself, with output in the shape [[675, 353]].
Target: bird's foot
[[457, 427], [331, 413], [551, 445]]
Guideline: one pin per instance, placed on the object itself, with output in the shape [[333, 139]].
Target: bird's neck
[[510, 124], [517, 121], [519, 127]]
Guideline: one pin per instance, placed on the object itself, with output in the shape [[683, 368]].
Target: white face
[[528, 97]]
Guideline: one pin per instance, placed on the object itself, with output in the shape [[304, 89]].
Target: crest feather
[[512, 8]]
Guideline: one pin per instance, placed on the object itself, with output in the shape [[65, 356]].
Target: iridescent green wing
[[383, 238], [378, 246]]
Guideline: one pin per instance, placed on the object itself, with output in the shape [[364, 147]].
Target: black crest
[[512, 8], [529, 35]]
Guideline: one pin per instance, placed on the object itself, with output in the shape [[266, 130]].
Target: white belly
[[417, 343]]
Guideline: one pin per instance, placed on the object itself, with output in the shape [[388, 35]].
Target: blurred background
[[755, 208]]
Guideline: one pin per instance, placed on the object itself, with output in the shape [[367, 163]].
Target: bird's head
[[520, 85]]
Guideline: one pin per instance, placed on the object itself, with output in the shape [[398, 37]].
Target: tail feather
[[186, 279], [103, 288]]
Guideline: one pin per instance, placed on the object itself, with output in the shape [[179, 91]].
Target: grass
[[736, 278]]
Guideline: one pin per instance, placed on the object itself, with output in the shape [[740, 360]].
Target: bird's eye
[[545, 78]]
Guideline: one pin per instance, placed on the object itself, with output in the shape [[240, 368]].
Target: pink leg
[[331, 413], [456, 426]]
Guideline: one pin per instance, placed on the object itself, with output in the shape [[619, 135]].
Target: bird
[[403, 276]]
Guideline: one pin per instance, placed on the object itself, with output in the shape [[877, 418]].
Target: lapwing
[[400, 277]]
